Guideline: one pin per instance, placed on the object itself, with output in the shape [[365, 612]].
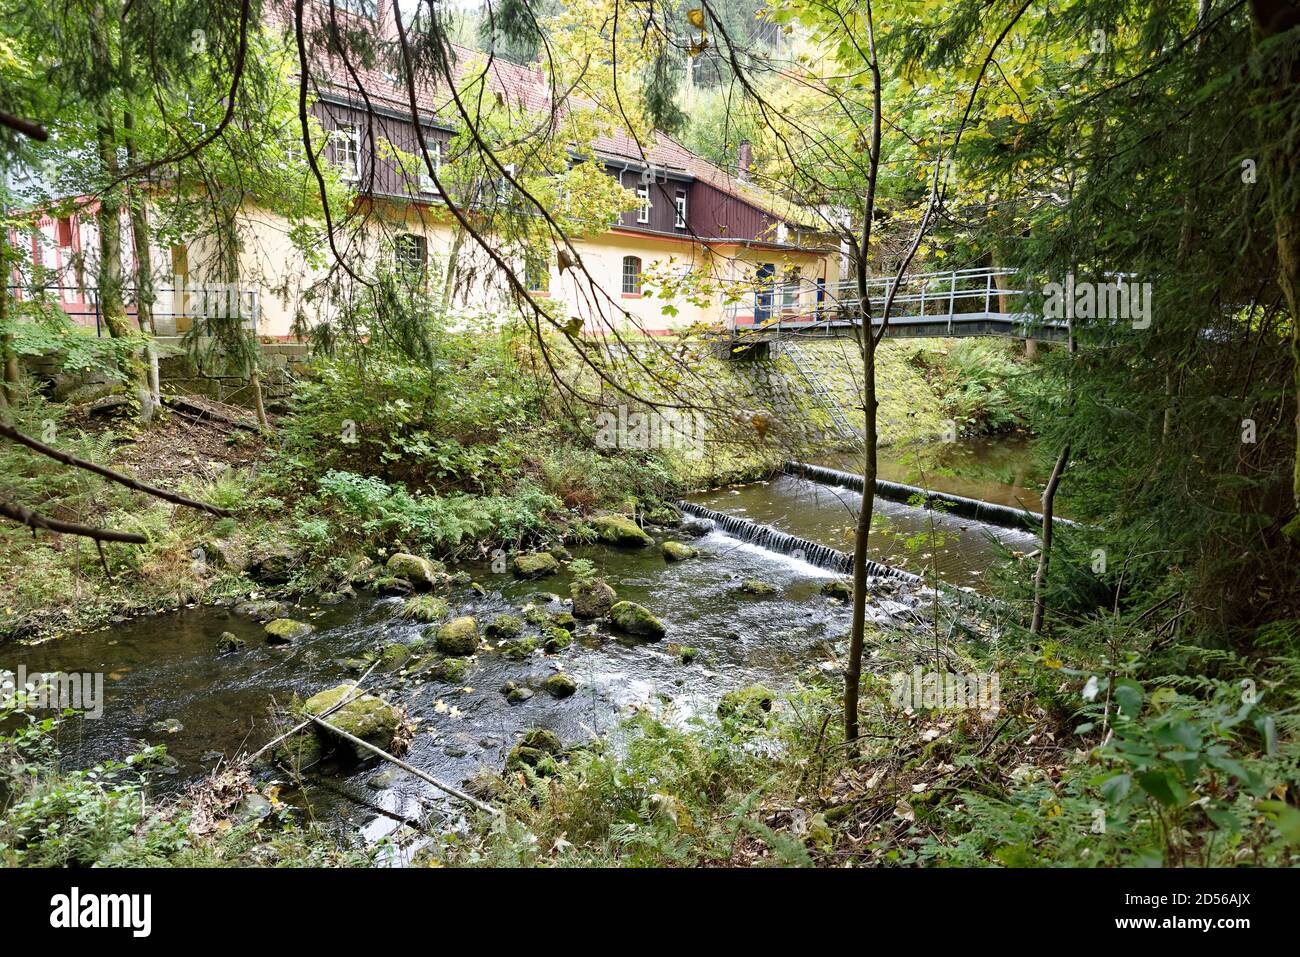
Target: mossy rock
[[458, 637], [684, 653], [426, 608], [562, 619], [422, 573], [750, 703], [634, 619], [664, 515], [263, 610], [284, 631], [328, 598], [592, 599], [556, 639], [535, 565], [761, 589], [620, 530], [273, 564], [521, 757], [367, 717], [677, 551], [541, 739], [535, 616], [838, 588], [297, 753], [516, 693], [559, 686], [519, 649], [452, 670], [391, 585], [393, 656], [229, 643], [504, 627]]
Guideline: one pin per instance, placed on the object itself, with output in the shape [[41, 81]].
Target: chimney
[[744, 157]]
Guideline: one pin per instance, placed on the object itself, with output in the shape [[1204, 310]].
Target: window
[[435, 157], [505, 185], [790, 291], [537, 274], [63, 231], [631, 276], [411, 253], [679, 221], [347, 152], [643, 214], [362, 8]]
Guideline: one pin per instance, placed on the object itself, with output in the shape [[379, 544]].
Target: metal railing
[[953, 296], [193, 302]]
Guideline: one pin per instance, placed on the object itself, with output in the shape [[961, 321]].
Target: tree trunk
[[9, 393], [857, 635], [1045, 553], [1273, 18], [144, 291]]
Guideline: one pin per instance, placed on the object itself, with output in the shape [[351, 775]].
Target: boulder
[[367, 717], [457, 637], [284, 631], [752, 586], [516, 693], [592, 599], [541, 739], [685, 653], [273, 564], [677, 552], [393, 656], [504, 627], [537, 749], [299, 752], [562, 619], [838, 588], [519, 648], [557, 639], [229, 643], [422, 573], [695, 527], [263, 610], [559, 686], [391, 585], [535, 565], [620, 530], [635, 619]]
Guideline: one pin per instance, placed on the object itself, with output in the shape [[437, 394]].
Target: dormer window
[[679, 220], [643, 194], [347, 152], [435, 157]]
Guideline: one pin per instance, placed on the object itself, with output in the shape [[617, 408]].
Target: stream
[[165, 684]]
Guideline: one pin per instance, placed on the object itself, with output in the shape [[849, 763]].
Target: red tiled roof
[[523, 88]]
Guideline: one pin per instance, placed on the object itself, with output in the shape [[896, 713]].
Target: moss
[[664, 515], [540, 739], [635, 619], [559, 686], [562, 619], [838, 588], [519, 649], [367, 717], [750, 703], [752, 586], [426, 608], [393, 656], [229, 643], [535, 617], [262, 610], [535, 565], [504, 627], [283, 631], [422, 573], [678, 551], [557, 639], [592, 599], [457, 637], [391, 585], [297, 753], [619, 530], [452, 670], [685, 653]]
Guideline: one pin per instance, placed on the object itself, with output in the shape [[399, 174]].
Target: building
[[759, 256]]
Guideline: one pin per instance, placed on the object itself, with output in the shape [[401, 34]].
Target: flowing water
[[164, 667]]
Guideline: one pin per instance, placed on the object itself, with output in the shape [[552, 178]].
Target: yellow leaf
[[696, 18]]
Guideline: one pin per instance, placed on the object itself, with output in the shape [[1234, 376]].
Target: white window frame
[[435, 154], [679, 220], [643, 194], [635, 276], [504, 185], [409, 269], [347, 142]]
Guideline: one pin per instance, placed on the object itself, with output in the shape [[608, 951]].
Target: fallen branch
[[28, 128], [411, 769], [9, 432], [347, 698], [35, 520]]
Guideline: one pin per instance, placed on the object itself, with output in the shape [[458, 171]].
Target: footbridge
[[959, 303]]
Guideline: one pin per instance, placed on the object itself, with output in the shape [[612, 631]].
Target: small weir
[[765, 536], [973, 508]]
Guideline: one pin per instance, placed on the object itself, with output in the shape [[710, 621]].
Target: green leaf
[[1114, 789], [1284, 817], [1164, 787], [1128, 695]]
